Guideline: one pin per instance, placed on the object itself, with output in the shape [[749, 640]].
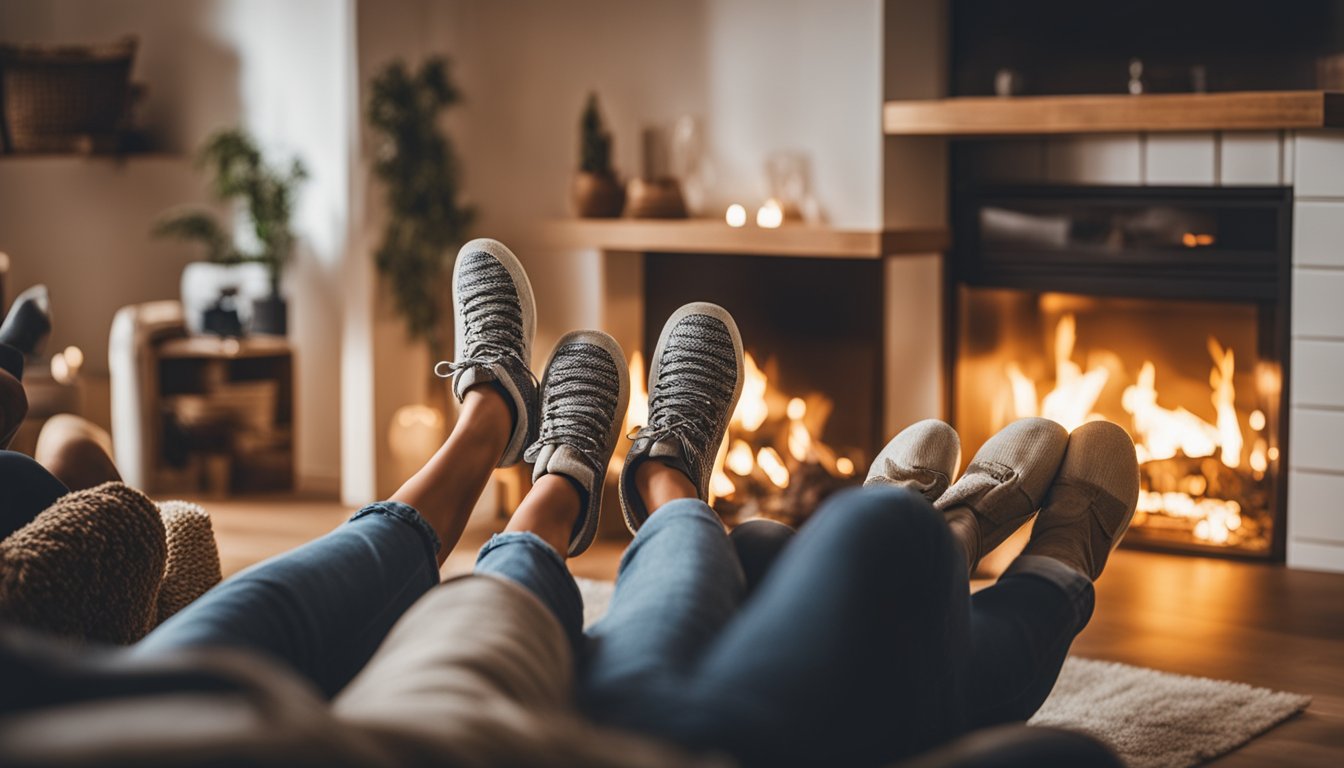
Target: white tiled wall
[[1181, 158], [1316, 426], [1251, 158]]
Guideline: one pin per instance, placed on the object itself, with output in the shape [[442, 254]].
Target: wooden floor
[[1257, 624]]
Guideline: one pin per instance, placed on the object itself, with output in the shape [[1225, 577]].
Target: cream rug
[[1151, 719]]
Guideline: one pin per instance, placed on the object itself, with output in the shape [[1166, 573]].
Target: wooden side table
[[226, 414]]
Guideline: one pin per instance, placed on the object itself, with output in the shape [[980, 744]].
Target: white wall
[[81, 225]]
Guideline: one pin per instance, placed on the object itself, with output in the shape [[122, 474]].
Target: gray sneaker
[[1005, 483], [695, 378], [495, 319], [584, 393], [923, 458]]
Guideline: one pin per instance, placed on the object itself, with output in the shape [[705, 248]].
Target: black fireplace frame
[[1262, 276]]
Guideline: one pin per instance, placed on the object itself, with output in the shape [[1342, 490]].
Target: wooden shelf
[[712, 236], [1038, 115], [216, 347]]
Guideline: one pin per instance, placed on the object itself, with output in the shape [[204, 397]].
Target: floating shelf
[[712, 236], [1038, 115]]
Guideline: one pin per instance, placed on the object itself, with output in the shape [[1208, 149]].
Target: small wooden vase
[[597, 195], [656, 199]]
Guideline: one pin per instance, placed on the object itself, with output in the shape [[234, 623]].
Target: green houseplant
[[426, 221], [596, 192], [241, 176]]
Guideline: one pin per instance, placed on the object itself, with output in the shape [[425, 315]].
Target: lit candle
[[770, 215], [736, 216]]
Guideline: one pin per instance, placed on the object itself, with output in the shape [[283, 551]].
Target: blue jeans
[[861, 644], [321, 609]]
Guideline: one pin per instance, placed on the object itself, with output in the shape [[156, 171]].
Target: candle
[[770, 215], [736, 216]]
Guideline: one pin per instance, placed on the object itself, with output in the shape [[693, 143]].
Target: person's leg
[[758, 544], [324, 608], [26, 488], [585, 391], [851, 652], [76, 451], [1022, 626], [13, 398]]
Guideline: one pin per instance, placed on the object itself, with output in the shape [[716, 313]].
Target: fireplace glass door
[[1160, 309]]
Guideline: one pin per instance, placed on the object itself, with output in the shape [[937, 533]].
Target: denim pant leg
[[758, 544], [1021, 630], [322, 608], [26, 488], [523, 558], [679, 583], [850, 653]]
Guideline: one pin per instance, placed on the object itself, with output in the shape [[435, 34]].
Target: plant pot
[[270, 315], [597, 195], [656, 199]]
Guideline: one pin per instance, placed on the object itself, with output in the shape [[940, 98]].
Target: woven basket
[[65, 98]]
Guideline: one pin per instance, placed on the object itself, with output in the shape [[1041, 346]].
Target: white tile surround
[[1312, 162], [1316, 449]]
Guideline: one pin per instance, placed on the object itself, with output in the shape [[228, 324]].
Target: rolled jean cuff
[[406, 514], [1077, 587], [523, 558]]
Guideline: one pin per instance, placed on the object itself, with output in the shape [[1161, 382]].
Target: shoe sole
[[514, 452], [695, 308], [580, 542]]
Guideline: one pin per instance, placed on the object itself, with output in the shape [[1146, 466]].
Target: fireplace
[[1161, 309], [810, 417]]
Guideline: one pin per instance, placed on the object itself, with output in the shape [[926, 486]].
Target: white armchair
[[137, 330]]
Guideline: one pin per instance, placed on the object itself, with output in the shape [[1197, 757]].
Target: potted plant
[[241, 177], [426, 220], [596, 192]]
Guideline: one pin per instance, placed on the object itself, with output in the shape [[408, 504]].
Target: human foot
[[1092, 500], [695, 378], [29, 321], [922, 458], [584, 393], [1004, 485], [495, 320]]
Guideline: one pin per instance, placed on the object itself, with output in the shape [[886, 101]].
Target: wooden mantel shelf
[[1040, 115], [713, 236]]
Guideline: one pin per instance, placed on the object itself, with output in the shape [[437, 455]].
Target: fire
[[760, 454], [1174, 445]]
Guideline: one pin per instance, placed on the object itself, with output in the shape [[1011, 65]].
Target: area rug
[[1151, 719]]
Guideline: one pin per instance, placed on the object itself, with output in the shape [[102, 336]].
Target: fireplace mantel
[[1152, 113], [713, 236]]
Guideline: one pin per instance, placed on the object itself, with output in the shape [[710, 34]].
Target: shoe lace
[[578, 402], [686, 402], [493, 330]]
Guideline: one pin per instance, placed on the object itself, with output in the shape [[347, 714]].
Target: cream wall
[[82, 225]]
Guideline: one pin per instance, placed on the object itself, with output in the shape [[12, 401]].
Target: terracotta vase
[[597, 195]]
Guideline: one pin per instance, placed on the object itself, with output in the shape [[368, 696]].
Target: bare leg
[[659, 483], [549, 510], [446, 489]]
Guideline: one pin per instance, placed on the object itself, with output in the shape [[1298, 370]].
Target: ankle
[[550, 510], [487, 414], [659, 483], [966, 531]]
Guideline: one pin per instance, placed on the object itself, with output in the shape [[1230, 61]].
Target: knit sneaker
[[1092, 500], [695, 378], [1003, 485], [495, 319], [584, 393], [923, 458]]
